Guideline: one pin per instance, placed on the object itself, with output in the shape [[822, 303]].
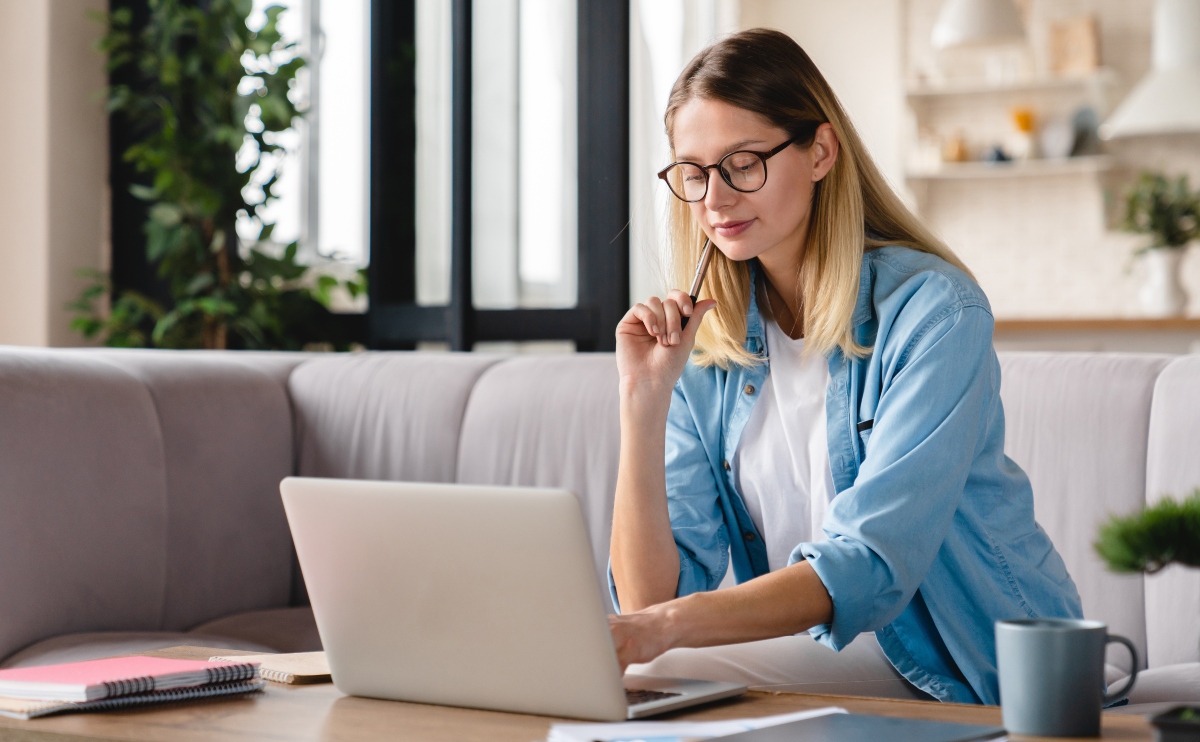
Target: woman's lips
[[732, 229]]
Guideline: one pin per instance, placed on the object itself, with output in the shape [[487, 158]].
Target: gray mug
[[1052, 675]]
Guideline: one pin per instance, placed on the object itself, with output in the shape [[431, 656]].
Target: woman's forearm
[[781, 603], [645, 561]]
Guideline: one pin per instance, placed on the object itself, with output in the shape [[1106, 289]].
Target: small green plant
[[208, 101], [1167, 210], [1167, 533]]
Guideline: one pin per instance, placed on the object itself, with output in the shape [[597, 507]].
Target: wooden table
[[320, 712]]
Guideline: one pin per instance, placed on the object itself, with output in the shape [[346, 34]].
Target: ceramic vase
[[1162, 295]]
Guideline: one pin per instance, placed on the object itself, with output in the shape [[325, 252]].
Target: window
[[483, 177]]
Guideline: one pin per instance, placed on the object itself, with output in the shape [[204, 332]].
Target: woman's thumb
[[698, 311]]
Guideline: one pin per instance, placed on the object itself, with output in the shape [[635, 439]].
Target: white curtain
[[664, 35]]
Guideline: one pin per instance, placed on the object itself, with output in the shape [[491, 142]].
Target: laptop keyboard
[[635, 697]]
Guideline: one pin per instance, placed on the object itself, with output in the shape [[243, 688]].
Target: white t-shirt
[[782, 460]]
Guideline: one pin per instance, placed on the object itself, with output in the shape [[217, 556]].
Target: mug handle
[[1118, 695]]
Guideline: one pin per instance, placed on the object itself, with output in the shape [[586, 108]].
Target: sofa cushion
[[1173, 468], [1167, 684], [272, 630], [1077, 424], [549, 421], [227, 441], [389, 416], [83, 532], [95, 645], [281, 629]]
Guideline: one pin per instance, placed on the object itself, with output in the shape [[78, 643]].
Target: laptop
[[473, 596]]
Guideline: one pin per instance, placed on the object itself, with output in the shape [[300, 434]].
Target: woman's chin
[[739, 249]]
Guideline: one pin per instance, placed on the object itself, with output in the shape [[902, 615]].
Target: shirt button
[[726, 465], [749, 536], [749, 389]]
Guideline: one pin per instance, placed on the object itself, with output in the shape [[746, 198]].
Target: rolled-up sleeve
[[884, 531], [693, 503]]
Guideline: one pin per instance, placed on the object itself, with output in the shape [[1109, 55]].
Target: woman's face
[[772, 222]]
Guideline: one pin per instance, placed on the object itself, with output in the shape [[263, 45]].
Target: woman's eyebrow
[[731, 148]]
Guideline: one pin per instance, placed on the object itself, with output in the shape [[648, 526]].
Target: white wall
[[1041, 247], [53, 165], [857, 46]]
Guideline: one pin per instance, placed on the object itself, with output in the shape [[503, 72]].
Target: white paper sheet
[[674, 731]]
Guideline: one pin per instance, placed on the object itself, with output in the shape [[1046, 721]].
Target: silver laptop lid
[[462, 595]]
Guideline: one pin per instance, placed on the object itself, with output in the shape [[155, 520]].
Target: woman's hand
[[641, 636], [652, 348]]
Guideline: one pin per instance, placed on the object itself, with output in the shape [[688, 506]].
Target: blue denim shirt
[[931, 537]]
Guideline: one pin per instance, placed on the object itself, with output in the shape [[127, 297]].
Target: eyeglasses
[[743, 170]]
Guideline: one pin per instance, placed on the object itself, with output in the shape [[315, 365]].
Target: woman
[[829, 418]]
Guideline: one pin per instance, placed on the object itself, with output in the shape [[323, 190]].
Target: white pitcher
[[1162, 295]]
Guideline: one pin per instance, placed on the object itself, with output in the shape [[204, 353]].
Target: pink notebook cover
[[82, 677]]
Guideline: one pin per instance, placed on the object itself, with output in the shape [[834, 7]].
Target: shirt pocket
[[865, 429]]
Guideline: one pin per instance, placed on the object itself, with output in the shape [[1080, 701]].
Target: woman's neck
[[781, 269]]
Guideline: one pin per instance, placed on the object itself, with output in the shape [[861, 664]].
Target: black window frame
[[395, 321]]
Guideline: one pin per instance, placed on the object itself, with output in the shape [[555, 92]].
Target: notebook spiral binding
[[231, 673], [163, 696], [216, 675], [128, 686]]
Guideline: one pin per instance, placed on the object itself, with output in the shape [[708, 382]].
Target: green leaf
[[166, 214], [145, 193], [1168, 532], [199, 283]]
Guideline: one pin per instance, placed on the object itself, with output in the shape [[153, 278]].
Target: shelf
[[1022, 169], [1102, 76], [1132, 324]]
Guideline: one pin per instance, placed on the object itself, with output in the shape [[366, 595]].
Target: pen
[[698, 281]]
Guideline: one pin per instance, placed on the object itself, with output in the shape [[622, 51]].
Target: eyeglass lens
[[743, 171]]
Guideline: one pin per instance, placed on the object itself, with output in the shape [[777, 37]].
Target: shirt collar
[[862, 306], [754, 324]]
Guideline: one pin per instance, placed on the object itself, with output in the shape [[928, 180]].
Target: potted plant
[[1148, 541], [1169, 212], [208, 97]]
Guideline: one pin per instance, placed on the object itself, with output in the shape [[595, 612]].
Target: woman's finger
[[673, 329], [660, 316], [702, 308], [683, 300], [645, 318]]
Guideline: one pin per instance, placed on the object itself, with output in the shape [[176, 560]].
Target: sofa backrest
[[1077, 424], [1173, 469], [226, 428], [388, 416], [138, 491], [549, 421]]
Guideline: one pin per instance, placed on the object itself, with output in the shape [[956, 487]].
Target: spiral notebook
[[18, 708], [296, 668], [94, 680]]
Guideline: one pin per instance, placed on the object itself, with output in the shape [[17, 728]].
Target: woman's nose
[[720, 194]]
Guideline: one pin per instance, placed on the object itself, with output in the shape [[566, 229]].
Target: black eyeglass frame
[[763, 156]]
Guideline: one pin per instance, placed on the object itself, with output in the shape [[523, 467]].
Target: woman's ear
[[824, 151]]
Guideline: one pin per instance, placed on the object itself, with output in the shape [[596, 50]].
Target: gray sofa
[[139, 489]]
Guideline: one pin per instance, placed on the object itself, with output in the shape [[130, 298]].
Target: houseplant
[[1169, 212], [1149, 541], [1164, 534], [208, 99]]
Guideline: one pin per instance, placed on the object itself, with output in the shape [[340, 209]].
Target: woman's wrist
[[676, 624], [642, 400]]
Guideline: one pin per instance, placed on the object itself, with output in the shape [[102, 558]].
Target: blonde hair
[[767, 73]]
